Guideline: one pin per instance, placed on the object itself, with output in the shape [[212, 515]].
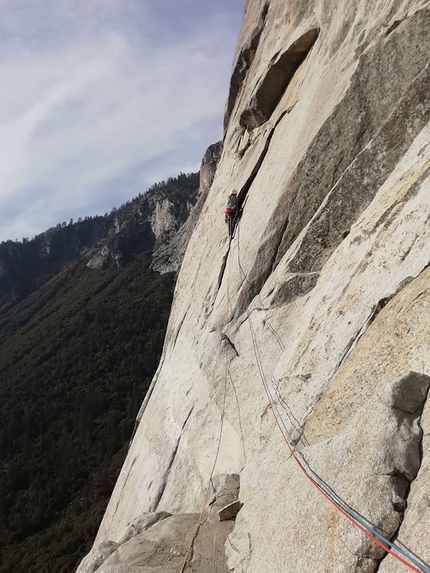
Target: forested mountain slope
[[82, 322]]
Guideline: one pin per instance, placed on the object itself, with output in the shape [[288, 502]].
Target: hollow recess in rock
[[273, 85], [244, 61]]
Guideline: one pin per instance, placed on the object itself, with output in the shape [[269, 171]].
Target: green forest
[[78, 350]]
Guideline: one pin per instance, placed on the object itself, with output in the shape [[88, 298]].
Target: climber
[[231, 211]]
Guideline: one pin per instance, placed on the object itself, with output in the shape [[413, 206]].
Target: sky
[[100, 99]]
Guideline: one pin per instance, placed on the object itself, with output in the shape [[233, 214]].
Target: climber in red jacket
[[231, 211], [231, 207]]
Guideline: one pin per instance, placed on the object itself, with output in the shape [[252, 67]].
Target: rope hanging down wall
[[200, 518], [412, 562]]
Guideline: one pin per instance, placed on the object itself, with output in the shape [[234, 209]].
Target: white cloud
[[111, 109]]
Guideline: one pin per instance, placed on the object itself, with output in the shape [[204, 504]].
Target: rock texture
[[322, 295], [159, 541], [170, 247], [158, 221]]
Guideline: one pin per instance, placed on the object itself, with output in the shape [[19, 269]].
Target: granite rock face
[[320, 301]]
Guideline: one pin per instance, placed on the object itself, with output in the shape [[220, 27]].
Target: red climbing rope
[[419, 568]]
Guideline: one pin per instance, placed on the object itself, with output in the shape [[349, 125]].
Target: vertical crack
[[241, 198], [163, 484], [223, 265]]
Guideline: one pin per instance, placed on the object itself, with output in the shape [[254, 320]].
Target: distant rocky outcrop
[[151, 222], [307, 333], [171, 246]]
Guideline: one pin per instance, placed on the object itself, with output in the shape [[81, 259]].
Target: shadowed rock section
[[242, 200], [244, 61], [294, 287], [275, 82], [359, 145]]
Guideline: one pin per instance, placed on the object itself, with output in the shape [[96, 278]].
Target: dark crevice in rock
[[178, 330], [261, 268], [351, 342], [243, 63], [398, 475], [426, 267], [380, 561], [223, 266], [417, 412], [389, 214], [227, 339], [394, 25], [382, 303], [279, 242], [247, 185], [163, 484], [408, 250], [401, 509], [242, 322], [274, 84], [254, 285], [244, 191], [245, 188]]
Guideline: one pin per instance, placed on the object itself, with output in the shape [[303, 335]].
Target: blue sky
[[102, 98]]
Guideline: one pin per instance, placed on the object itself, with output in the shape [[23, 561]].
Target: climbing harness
[[415, 564], [231, 216]]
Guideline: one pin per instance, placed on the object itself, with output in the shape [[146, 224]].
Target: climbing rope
[[199, 521], [353, 516], [196, 531], [230, 311], [210, 483]]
